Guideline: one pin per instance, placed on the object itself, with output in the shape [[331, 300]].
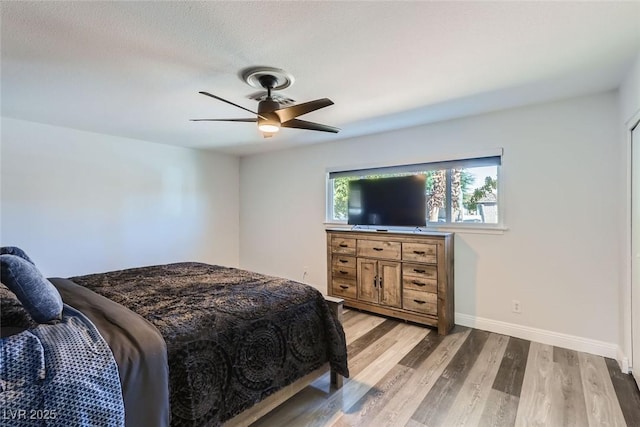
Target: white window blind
[[419, 167]]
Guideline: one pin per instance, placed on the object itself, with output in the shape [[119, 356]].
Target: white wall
[[561, 171], [630, 92], [81, 202]]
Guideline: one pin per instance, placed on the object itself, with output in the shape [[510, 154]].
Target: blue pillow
[[38, 296], [13, 317], [13, 250]]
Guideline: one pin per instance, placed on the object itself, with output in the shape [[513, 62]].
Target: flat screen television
[[396, 201]]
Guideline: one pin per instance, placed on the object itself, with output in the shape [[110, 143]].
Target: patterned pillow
[[38, 296], [13, 250], [13, 317]]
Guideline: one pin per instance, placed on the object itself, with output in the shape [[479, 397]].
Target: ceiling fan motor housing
[[268, 121], [266, 109], [267, 106]]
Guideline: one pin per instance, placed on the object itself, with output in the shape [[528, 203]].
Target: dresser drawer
[[342, 245], [343, 261], [344, 287], [338, 271], [419, 270], [421, 284], [420, 252], [422, 302], [379, 249]]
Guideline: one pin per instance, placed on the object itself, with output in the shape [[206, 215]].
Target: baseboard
[[543, 336], [623, 361]]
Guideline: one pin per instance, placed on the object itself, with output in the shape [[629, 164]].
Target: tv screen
[[397, 201]]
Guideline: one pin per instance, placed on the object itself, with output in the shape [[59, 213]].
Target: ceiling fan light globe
[[269, 122], [269, 127]]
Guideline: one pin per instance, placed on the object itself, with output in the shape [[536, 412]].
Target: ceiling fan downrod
[[268, 82]]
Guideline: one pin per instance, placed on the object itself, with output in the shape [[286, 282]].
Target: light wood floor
[[407, 375]]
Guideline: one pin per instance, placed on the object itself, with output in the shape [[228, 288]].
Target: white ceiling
[[134, 69]]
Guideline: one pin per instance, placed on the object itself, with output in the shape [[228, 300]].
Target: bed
[[205, 345]]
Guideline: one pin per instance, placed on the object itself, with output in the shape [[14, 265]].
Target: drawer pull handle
[[343, 245], [415, 282], [419, 252], [344, 286], [344, 261], [419, 271], [378, 249], [344, 272], [419, 302]]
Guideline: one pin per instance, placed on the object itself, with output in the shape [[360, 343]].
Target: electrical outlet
[[515, 306]]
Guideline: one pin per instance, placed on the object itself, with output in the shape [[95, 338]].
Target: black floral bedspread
[[233, 336]]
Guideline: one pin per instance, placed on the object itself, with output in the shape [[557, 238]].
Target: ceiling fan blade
[[231, 103], [289, 113], [224, 120], [303, 124]]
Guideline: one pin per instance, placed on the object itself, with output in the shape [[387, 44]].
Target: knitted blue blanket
[[59, 375]]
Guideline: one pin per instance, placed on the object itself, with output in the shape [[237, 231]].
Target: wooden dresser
[[403, 275]]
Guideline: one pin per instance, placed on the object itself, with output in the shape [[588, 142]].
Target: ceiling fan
[[271, 116]]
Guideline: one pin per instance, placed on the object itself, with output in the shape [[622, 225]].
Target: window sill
[[467, 229], [458, 228], [329, 224]]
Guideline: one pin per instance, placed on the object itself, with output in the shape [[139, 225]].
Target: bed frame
[[265, 406]]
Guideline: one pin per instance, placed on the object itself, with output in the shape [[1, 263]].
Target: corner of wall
[[629, 110]]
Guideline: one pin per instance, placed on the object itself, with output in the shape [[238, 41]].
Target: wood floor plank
[[364, 411], [626, 391], [370, 337], [568, 407], [399, 409], [435, 405], [347, 314], [330, 402], [500, 409], [422, 350], [294, 408], [358, 361], [323, 383], [405, 336], [552, 391], [320, 394], [359, 325], [511, 373], [602, 404], [535, 395], [468, 407], [350, 317]]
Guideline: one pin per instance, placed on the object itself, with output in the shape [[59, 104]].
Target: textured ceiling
[[134, 69]]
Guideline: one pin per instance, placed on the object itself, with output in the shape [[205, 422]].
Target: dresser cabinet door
[[367, 280], [389, 274]]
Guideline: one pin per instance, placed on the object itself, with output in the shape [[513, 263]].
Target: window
[[463, 191]]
